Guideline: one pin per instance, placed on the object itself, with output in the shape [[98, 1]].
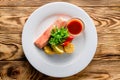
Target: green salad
[[58, 36]]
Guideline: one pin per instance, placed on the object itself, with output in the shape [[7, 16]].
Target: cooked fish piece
[[43, 39]]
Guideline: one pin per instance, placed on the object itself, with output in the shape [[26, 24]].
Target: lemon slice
[[58, 49]]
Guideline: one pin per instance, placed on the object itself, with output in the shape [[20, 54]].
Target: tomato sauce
[[75, 26]]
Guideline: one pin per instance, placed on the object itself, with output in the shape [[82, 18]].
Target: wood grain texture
[[11, 51], [114, 2], [108, 47], [106, 19], [106, 62], [37, 3], [97, 70], [12, 19], [10, 47], [18, 70]]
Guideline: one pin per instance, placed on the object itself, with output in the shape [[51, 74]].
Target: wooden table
[[106, 62]]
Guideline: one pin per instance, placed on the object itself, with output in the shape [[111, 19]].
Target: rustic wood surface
[[106, 62]]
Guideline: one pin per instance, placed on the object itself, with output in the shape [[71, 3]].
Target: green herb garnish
[[58, 36]]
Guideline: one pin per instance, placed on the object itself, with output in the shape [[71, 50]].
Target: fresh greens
[[58, 36]]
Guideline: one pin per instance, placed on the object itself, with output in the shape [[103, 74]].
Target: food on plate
[[58, 49], [48, 50], [69, 48], [57, 39], [68, 40], [43, 39], [58, 36]]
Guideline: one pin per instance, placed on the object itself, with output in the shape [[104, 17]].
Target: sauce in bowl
[[75, 26]]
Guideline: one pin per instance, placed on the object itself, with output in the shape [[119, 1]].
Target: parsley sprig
[[58, 36]]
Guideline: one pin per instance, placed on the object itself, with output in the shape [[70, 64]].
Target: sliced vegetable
[[69, 48], [68, 40], [58, 49], [65, 43]]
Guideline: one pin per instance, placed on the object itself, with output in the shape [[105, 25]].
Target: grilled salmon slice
[[43, 39]]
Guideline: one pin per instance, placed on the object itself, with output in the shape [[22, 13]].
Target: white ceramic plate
[[59, 65]]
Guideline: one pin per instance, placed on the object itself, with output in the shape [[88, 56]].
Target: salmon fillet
[[43, 39]]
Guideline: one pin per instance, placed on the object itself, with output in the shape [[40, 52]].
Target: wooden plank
[[16, 11], [12, 19], [10, 47], [18, 70], [11, 51], [36, 3], [106, 19], [114, 2], [108, 47], [97, 70], [10, 38]]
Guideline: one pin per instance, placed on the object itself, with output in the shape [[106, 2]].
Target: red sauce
[[75, 26]]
